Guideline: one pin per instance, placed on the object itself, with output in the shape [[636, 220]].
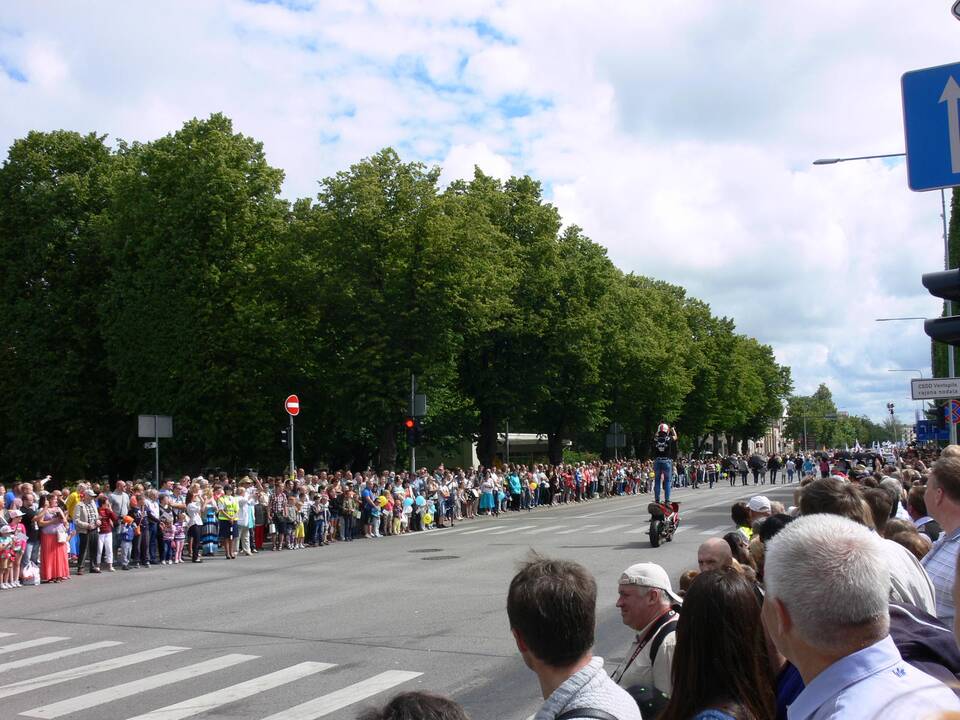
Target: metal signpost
[[931, 125], [292, 406], [156, 427]]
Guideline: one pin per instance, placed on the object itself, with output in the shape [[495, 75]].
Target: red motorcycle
[[664, 521]]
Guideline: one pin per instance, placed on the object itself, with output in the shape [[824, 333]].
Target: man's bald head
[[714, 554]]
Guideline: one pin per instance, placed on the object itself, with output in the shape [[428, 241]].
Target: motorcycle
[[664, 521]]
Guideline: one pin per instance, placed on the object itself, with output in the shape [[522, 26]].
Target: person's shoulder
[[713, 714]]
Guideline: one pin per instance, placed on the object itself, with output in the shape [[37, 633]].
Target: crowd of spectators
[[840, 605], [48, 533]]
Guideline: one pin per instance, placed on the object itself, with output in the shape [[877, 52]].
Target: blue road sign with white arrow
[[931, 124]]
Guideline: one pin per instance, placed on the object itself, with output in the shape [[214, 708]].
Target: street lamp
[[834, 161], [946, 256], [910, 370]]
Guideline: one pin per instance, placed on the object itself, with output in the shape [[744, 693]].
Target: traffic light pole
[[950, 358]]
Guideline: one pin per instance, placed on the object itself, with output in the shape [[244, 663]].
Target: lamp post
[[946, 261]]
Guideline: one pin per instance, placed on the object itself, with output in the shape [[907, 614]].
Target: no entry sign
[[292, 405]]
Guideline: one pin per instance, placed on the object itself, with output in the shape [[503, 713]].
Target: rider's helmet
[[663, 428]]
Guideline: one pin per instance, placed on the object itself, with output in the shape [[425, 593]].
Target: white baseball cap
[[649, 575], [759, 503]]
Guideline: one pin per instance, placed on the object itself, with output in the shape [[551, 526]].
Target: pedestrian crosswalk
[[105, 682]]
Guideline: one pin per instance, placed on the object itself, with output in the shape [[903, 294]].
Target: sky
[[680, 136]]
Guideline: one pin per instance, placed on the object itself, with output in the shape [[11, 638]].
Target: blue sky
[[678, 135]]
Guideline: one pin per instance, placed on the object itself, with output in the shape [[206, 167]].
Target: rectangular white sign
[[935, 388]]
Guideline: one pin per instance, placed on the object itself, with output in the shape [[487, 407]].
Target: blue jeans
[[662, 469]]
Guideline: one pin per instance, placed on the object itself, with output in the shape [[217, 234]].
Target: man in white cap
[[759, 506], [648, 605]]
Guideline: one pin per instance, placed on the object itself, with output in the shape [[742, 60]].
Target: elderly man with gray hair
[[826, 610]]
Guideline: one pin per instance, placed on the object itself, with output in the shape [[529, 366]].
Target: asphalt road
[[329, 631]]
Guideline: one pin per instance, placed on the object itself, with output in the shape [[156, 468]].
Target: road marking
[[213, 700], [85, 670], [548, 528], [576, 529], [483, 530], [683, 529], [31, 643], [3, 634], [36, 659], [326, 704], [514, 529], [609, 528], [714, 531], [101, 697]]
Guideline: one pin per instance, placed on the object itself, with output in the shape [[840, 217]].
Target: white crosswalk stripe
[[100, 697], [56, 655], [609, 528], [31, 643], [3, 634], [217, 698], [513, 529], [548, 528], [576, 529], [186, 707], [715, 531], [338, 699], [87, 670], [483, 530]]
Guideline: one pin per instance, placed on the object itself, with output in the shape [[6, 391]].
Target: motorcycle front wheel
[[656, 527]]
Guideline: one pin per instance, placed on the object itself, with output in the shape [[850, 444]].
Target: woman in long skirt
[[54, 565], [210, 534]]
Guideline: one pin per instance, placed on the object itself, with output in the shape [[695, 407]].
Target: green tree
[[55, 389], [191, 329]]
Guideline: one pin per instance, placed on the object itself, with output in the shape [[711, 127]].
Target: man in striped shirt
[[943, 504]]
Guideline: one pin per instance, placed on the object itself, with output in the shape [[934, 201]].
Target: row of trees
[[826, 427], [170, 277]]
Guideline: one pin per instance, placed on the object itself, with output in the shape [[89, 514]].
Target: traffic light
[[285, 438], [418, 431], [944, 284], [410, 427]]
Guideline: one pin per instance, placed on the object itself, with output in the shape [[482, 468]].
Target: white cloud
[[678, 135]]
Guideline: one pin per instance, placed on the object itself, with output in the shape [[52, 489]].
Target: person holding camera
[[664, 451]]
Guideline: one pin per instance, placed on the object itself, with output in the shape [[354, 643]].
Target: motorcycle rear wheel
[[656, 528]]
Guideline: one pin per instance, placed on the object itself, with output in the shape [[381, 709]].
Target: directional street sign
[[931, 124], [934, 388], [292, 405]]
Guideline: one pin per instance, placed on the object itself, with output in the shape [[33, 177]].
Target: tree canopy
[[171, 277]]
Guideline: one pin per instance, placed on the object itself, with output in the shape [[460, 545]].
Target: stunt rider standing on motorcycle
[[664, 453]]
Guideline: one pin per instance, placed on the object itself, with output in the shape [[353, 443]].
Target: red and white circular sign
[[292, 405]]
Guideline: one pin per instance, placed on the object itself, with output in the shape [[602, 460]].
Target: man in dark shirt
[[664, 452]]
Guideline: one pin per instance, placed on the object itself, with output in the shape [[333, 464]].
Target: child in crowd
[[128, 530], [397, 518], [166, 527], [179, 537], [321, 519], [299, 531]]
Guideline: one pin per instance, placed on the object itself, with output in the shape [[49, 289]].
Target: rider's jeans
[[662, 468]]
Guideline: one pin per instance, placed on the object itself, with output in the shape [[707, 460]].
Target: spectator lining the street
[[826, 610], [648, 606], [909, 583], [714, 554], [721, 669], [551, 606]]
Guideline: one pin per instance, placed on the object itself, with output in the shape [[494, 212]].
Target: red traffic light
[[408, 423]]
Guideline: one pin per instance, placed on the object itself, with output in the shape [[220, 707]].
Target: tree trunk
[[555, 447], [487, 441], [387, 447]]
